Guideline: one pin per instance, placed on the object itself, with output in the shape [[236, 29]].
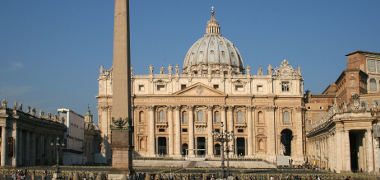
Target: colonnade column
[[210, 139], [15, 144], [151, 138], [346, 151], [21, 144], [177, 134], [33, 148], [191, 132], [230, 127], [369, 150], [250, 131], [3, 145], [170, 124]]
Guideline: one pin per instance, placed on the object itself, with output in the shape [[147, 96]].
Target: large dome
[[213, 53]]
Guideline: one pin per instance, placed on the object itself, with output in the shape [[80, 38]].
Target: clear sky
[[51, 50]]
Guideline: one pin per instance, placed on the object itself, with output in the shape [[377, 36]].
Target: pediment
[[199, 89]]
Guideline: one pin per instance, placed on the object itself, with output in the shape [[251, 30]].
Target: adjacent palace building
[[176, 111]]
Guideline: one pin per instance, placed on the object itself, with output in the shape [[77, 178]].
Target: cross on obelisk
[[121, 126]]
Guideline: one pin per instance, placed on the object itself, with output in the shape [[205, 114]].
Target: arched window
[[184, 117], [216, 117], [239, 116], [372, 84], [261, 145], [161, 116], [260, 117], [141, 116], [201, 116], [286, 117]]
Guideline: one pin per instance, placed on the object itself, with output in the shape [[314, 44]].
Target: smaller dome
[[213, 53]]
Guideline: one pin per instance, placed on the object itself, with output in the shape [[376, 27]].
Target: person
[[171, 176]]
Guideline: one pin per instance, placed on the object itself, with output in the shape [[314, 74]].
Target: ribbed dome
[[214, 52]]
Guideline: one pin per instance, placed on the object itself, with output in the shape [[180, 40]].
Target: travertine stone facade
[[175, 113], [26, 136]]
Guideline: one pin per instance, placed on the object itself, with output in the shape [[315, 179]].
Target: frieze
[[181, 100]]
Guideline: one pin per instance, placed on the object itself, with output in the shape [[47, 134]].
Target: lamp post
[[57, 146], [224, 137]]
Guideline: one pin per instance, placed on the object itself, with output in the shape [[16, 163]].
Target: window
[[239, 116], [161, 130], [308, 107], [183, 86], [184, 117], [160, 87], [161, 116], [260, 117], [375, 102], [286, 117], [353, 83], [216, 86], [217, 130], [141, 87], [378, 66], [239, 87], [216, 117], [240, 130], [259, 88], [371, 66], [141, 116], [201, 116], [372, 84], [184, 130], [285, 86], [320, 107], [363, 104]]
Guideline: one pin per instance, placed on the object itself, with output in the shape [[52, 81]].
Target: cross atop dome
[[212, 25]]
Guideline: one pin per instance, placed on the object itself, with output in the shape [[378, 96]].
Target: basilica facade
[[177, 112]]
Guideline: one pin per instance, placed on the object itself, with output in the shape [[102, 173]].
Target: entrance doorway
[[286, 142], [184, 149], [162, 146], [201, 146], [240, 146], [357, 150]]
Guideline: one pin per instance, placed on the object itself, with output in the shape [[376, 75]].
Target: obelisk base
[[121, 155]]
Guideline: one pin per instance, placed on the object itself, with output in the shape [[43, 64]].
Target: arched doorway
[[162, 146], [286, 142], [184, 149], [217, 150], [240, 146]]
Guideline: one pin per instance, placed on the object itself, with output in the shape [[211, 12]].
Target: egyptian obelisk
[[121, 132]]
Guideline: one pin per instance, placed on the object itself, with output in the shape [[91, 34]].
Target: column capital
[[250, 107], [170, 108], [190, 107], [151, 108], [230, 108], [177, 107], [210, 107]]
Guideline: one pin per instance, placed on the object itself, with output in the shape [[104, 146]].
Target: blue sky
[[51, 50]]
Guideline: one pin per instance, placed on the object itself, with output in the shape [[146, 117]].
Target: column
[[250, 131], [20, 143], [210, 139], [346, 151], [230, 128], [171, 128], [15, 141], [3, 145], [177, 134], [369, 148], [33, 148], [27, 154], [223, 117], [191, 132], [151, 136]]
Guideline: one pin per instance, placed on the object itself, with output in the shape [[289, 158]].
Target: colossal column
[[191, 132], [171, 135], [250, 131], [121, 141], [230, 127], [177, 134], [151, 138], [210, 139]]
